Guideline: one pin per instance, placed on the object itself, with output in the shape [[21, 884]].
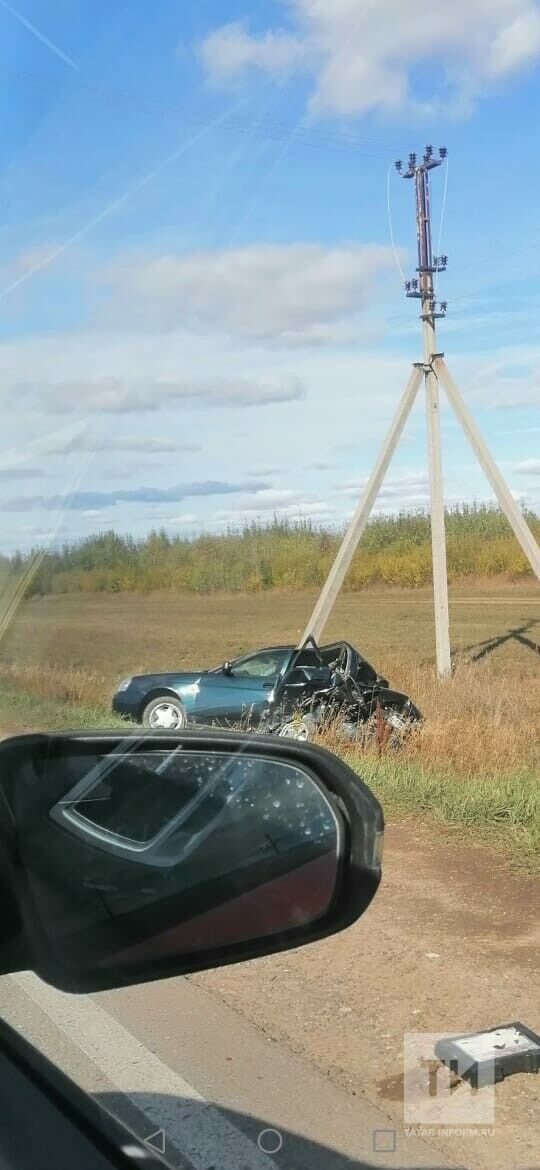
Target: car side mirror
[[128, 857], [226, 667]]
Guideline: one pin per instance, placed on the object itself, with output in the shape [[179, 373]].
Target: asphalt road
[[175, 1062]]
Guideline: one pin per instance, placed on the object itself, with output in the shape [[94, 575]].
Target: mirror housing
[[226, 667], [126, 857]]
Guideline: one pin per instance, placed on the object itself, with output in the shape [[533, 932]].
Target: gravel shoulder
[[451, 944]]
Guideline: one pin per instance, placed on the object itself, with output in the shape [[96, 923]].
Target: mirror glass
[[148, 852]]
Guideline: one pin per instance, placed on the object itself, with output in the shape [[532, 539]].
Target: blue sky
[[201, 316]]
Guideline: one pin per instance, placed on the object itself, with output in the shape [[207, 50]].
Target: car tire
[[164, 712]]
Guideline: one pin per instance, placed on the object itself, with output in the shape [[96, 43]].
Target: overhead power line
[[317, 138], [390, 226]]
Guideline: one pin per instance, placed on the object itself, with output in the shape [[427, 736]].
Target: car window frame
[[287, 651]]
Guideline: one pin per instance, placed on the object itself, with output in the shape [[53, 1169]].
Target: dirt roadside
[[450, 944]]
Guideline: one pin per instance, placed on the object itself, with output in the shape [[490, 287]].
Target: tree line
[[395, 550]]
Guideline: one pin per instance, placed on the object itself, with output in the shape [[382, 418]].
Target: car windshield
[[270, 465]]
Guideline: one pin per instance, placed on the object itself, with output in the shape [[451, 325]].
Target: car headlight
[[123, 686]]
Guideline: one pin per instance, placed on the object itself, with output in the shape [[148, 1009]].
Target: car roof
[[290, 646], [263, 649]]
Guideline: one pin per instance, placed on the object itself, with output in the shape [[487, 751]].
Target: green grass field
[[476, 762]]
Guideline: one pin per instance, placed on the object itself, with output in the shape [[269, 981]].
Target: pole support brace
[[427, 367]]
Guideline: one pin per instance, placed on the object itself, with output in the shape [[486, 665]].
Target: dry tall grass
[[473, 763], [63, 684], [482, 721]]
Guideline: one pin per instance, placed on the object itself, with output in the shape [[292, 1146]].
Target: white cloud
[[316, 510], [264, 471], [352, 395], [528, 467], [269, 499], [364, 56], [85, 501], [292, 293], [54, 442], [517, 43], [230, 50], [111, 395], [511, 380], [185, 518], [411, 485], [287, 504], [137, 444], [11, 473]]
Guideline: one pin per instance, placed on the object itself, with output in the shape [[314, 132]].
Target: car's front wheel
[[164, 712]]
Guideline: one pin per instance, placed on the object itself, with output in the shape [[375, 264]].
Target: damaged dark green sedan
[[283, 689]]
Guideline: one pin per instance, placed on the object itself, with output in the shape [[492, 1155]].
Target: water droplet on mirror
[[276, 803]]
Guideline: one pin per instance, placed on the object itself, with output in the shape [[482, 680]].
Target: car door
[[242, 694]]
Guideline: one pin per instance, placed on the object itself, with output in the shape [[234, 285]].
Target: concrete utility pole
[[506, 500], [423, 289], [341, 565], [434, 369]]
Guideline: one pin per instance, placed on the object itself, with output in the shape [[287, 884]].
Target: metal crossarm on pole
[[504, 496], [361, 516]]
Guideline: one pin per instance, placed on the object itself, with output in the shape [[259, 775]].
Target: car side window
[[268, 664]]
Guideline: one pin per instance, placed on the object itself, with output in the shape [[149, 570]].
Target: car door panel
[[240, 695]]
